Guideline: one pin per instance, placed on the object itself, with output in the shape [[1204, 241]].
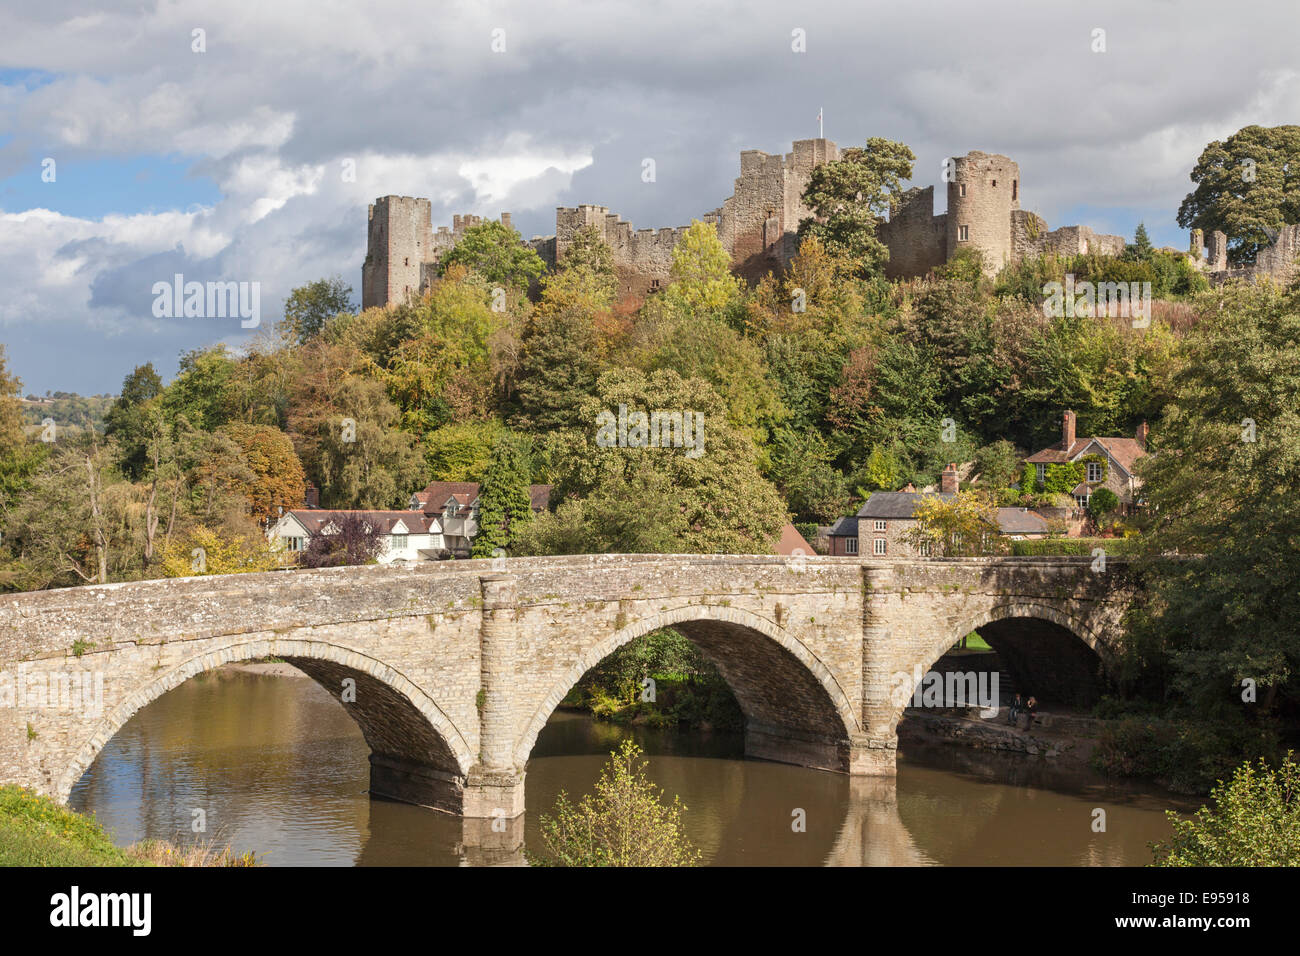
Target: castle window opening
[[961, 189], [963, 233], [1015, 185], [995, 183]]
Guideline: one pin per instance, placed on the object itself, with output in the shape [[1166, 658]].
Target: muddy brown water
[[279, 768]]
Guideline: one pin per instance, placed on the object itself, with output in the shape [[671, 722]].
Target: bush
[[624, 823], [1186, 756], [1080, 547], [1255, 821]]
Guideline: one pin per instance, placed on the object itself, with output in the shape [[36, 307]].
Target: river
[[277, 767]]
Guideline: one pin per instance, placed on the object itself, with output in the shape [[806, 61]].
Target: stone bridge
[[451, 669]]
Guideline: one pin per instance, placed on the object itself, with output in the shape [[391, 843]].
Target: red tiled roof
[[1125, 451], [791, 540], [436, 494]]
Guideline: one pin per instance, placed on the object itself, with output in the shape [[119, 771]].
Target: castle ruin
[[758, 227]]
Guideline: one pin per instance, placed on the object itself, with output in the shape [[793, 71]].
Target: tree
[[277, 476], [310, 306], [558, 366], [505, 504], [126, 419], [364, 461], [1102, 502], [849, 197], [461, 452], [205, 390], [700, 275], [349, 538], [205, 551], [1247, 186], [965, 525], [801, 468], [709, 490], [1228, 445], [1141, 248], [625, 822], [18, 457], [997, 465], [1255, 821], [497, 253]]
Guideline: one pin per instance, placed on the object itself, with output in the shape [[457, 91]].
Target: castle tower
[[983, 193], [399, 239]]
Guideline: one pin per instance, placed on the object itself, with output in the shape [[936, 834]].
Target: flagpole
[[821, 133]]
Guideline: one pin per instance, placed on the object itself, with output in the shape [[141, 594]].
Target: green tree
[[1228, 445], [126, 419], [1101, 503], [505, 504], [558, 365], [497, 253], [997, 465], [1141, 248], [205, 389], [962, 526], [625, 822], [710, 496], [1247, 186], [850, 196], [701, 277], [461, 452], [364, 460], [310, 306], [1255, 821]]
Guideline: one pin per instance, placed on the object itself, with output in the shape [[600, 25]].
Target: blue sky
[[226, 163]]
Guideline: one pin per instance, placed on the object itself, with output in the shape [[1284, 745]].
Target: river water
[[278, 768]]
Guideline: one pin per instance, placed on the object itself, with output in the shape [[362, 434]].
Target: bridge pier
[[875, 752], [494, 788], [397, 778]]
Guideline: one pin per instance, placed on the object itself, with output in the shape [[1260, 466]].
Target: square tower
[[398, 241]]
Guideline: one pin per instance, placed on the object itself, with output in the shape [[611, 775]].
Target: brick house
[[1110, 462]]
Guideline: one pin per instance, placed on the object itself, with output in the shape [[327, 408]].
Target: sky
[[133, 148]]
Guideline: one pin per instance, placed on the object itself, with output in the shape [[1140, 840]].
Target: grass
[[974, 644], [36, 831]]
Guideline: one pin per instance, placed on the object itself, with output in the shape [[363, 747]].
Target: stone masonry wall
[[810, 646]]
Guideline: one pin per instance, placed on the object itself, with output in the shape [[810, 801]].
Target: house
[[1109, 463], [405, 535], [879, 529], [440, 522], [456, 506]]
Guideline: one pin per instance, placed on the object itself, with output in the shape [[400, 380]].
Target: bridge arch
[[1049, 652], [756, 658], [402, 724]]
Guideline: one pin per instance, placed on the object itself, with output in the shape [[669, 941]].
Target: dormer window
[[1094, 471]]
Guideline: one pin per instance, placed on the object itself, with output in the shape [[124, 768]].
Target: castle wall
[[758, 226], [916, 238]]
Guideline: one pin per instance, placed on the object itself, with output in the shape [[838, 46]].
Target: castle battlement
[[757, 225]]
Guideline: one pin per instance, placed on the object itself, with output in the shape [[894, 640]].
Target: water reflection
[[281, 770]]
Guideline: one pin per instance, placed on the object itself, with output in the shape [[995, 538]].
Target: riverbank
[[36, 831]]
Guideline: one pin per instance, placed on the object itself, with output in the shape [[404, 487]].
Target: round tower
[[984, 190]]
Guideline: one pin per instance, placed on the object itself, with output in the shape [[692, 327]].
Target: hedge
[[1082, 547]]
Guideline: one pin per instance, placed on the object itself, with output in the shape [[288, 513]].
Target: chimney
[[1067, 431], [311, 497], [948, 480], [1141, 436]]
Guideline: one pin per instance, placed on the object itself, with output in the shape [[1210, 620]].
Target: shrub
[[1081, 547], [1255, 821], [624, 823]]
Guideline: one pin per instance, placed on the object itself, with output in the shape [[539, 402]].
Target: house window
[[1082, 500], [878, 546], [924, 547], [963, 233], [850, 545], [1041, 469], [297, 543], [1094, 471], [880, 526], [397, 542], [452, 509]]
